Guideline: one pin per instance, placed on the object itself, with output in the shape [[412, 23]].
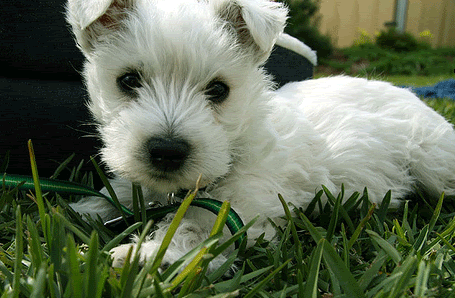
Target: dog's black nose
[[168, 154]]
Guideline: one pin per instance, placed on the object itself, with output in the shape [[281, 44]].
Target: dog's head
[[176, 85]]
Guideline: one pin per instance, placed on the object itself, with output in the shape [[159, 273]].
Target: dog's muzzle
[[168, 154]]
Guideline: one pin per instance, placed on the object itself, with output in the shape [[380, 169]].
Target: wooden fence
[[343, 19]]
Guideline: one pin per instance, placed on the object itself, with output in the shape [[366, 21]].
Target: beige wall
[[341, 19]]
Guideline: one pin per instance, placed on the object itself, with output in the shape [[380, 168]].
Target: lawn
[[350, 249]]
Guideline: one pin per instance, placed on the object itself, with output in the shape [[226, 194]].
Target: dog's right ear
[[91, 19], [257, 23]]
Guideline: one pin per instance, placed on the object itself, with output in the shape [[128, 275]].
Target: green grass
[[351, 249], [416, 81]]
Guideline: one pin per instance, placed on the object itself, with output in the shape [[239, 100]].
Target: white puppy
[[177, 89]]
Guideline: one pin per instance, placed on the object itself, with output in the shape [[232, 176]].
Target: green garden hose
[[233, 222]]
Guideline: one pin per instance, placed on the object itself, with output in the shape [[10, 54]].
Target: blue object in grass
[[444, 89]]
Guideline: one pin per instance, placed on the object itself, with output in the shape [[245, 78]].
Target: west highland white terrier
[[178, 91]]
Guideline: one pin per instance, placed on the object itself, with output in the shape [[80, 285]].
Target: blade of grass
[[74, 274], [295, 236], [92, 265], [405, 223], [136, 203], [50, 282], [39, 283], [260, 285], [234, 238], [109, 188], [221, 271], [132, 282], [406, 271], [38, 192], [333, 219], [73, 228], [311, 286], [343, 275], [177, 266], [368, 276], [310, 227], [360, 227], [386, 246], [234, 283], [312, 206], [229, 285], [400, 233], [36, 250], [447, 243], [116, 241], [423, 273], [421, 239], [18, 254], [384, 207], [173, 228], [62, 166], [350, 203], [216, 230], [449, 230], [436, 213]]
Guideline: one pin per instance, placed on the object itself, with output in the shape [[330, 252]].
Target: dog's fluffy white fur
[[255, 143]]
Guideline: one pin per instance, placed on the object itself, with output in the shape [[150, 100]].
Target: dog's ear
[[257, 23], [91, 19]]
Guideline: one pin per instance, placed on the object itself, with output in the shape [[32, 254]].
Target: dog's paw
[[148, 251], [119, 254]]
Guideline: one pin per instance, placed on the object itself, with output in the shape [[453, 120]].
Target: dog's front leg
[[193, 229]]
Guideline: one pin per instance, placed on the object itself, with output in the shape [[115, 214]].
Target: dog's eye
[[217, 91], [129, 82]]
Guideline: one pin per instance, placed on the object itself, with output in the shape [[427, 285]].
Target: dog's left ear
[[257, 23]]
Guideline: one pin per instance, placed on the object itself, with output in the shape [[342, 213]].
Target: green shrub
[[398, 42], [374, 59], [392, 53]]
